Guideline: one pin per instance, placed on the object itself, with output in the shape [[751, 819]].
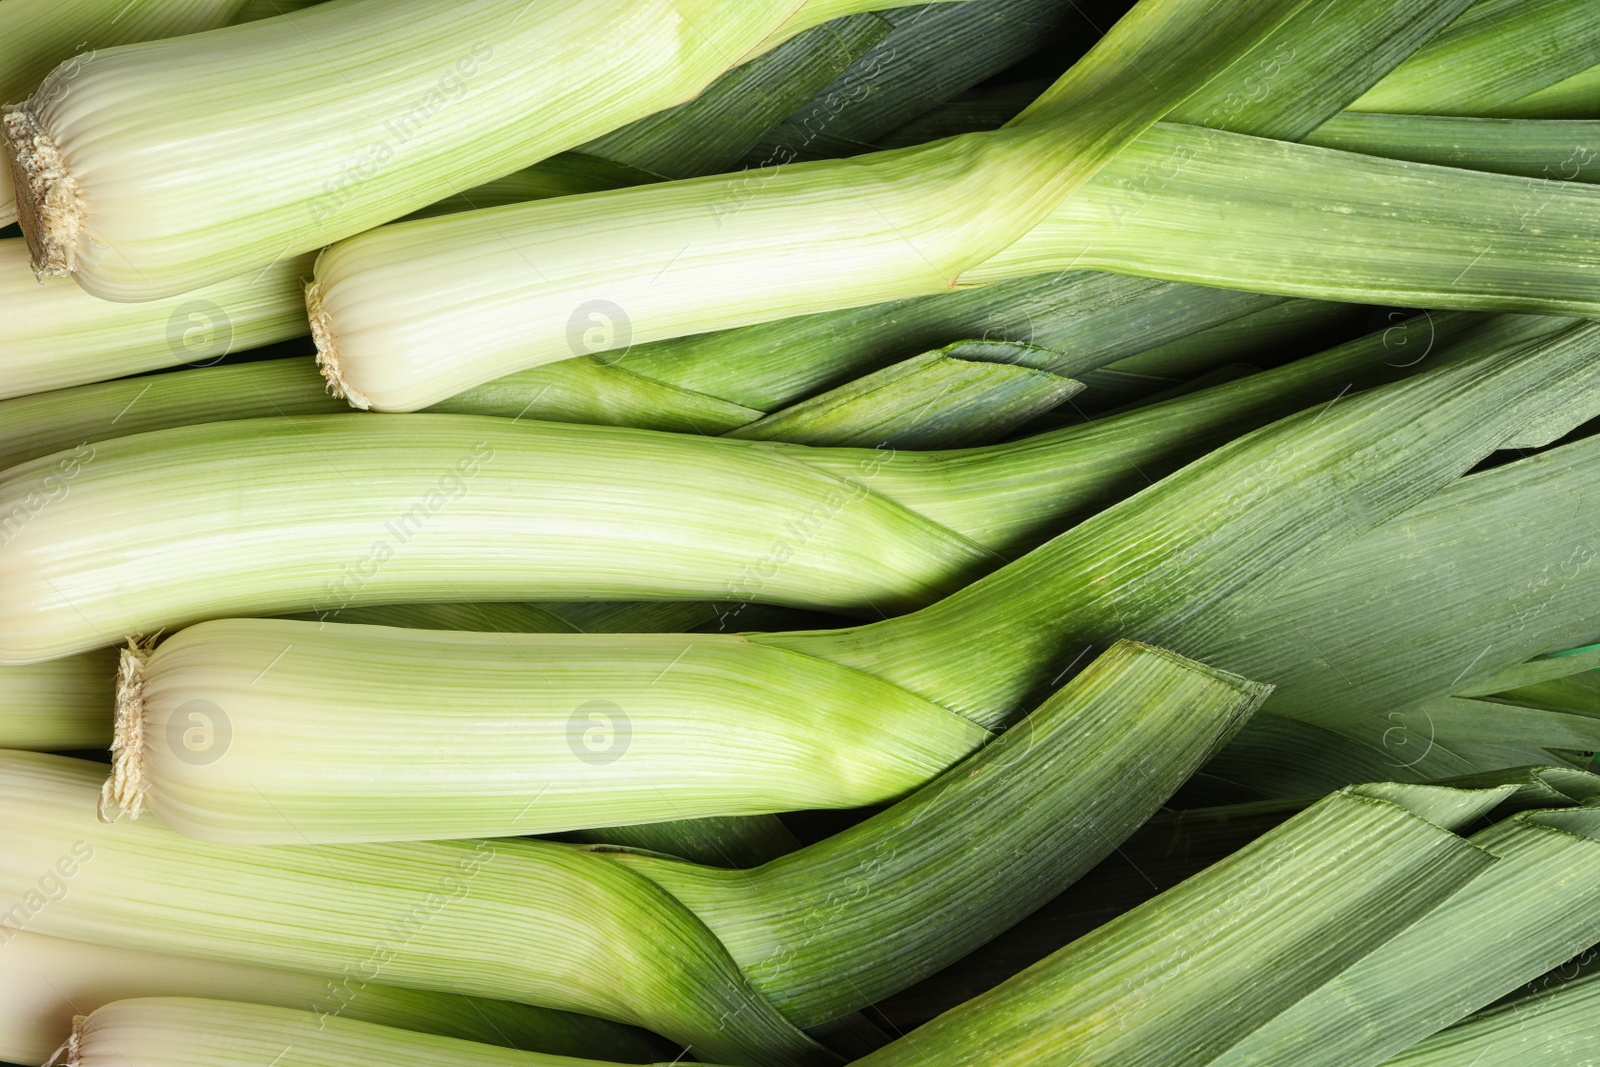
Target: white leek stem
[[53, 334], [46, 981], [36, 35], [614, 729], [172, 165]]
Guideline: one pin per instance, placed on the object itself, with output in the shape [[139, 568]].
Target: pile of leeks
[[862, 552]]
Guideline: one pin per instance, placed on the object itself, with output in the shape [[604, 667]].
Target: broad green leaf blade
[[1287, 330], [1283, 757], [1495, 54], [1531, 673], [1577, 97], [1554, 151], [1164, 563], [1579, 692], [1089, 318], [935, 52], [981, 109], [1538, 906], [1481, 578], [1315, 66], [1179, 980], [712, 132], [969, 393], [1554, 1024], [1032, 811], [1168, 848], [1237, 213]]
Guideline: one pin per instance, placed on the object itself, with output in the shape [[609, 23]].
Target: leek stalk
[[879, 530], [1032, 813], [110, 340], [432, 98], [1399, 232], [45, 981], [381, 338], [532, 922], [36, 35], [1375, 859], [1554, 151], [218, 1032], [982, 650]]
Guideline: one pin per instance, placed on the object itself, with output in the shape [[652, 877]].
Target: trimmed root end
[[126, 787], [328, 349], [70, 1054], [48, 204]]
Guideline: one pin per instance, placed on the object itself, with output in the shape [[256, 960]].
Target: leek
[[1554, 151], [562, 731], [431, 98], [1011, 812], [1496, 53], [1398, 232], [437, 507], [1374, 859], [45, 981], [527, 921], [36, 35], [60, 705], [1178, 980], [889, 233], [217, 1032], [398, 510], [110, 340], [982, 650]]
